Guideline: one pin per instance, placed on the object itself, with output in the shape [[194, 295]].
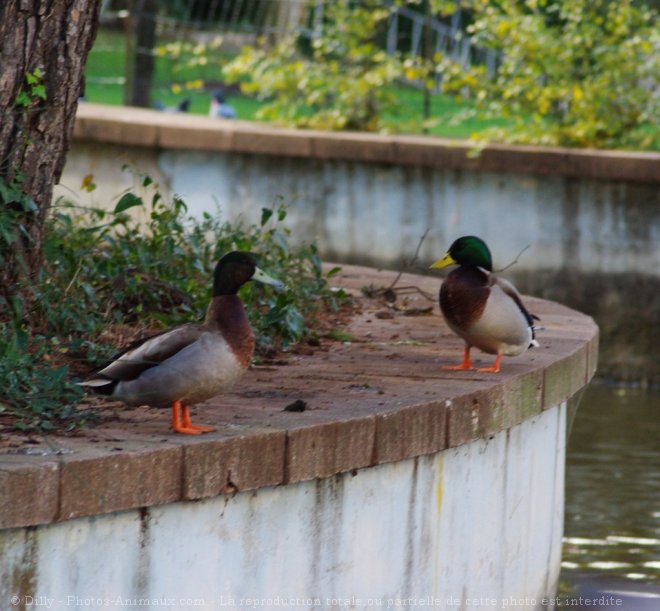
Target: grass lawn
[[409, 116], [105, 84]]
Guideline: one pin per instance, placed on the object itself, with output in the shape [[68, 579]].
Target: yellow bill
[[446, 261]]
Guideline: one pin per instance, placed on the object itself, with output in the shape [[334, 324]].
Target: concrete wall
[[476, 525], [377, 213]]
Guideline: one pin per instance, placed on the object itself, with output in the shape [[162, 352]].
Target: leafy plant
[[17, 214], [286, 317], [340, 83], [34, 89], [571, 72], [16, 208], [35, 393], [105, 270]]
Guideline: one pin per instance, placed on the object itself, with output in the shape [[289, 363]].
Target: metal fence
[[278, 18], [408, 30]]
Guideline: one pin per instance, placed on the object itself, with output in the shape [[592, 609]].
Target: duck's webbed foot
[[182, 424], [465, 365], [494, 368]]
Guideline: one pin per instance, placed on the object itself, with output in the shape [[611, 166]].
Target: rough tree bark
[[43, 49]]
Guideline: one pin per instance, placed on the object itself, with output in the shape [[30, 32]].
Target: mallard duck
[[484, 310], [192, 362]]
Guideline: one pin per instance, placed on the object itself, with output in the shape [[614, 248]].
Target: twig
[[514, 261], [409, 264], [390, 290], [73, 279]]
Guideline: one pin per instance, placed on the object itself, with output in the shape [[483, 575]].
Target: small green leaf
[[266, 213], [128, 200], [39, 91], [22, 99], [37, 73], [179, 205]]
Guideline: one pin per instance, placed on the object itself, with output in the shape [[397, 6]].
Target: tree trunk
[[43, 49]]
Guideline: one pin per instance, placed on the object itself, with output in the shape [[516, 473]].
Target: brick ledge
[[149, 128], [378, 399]]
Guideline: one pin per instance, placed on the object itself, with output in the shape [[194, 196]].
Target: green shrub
[[35, 393], [103, 269]]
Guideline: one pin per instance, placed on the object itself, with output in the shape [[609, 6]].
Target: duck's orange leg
[[194, 427], [495, 368], [181, 421], [466, 364], [177, 420]]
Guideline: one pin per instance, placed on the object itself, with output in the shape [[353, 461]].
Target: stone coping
[[381, 397], [148, 128]]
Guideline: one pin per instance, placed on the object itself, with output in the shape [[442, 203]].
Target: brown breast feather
[[463, 296], [228, 314]]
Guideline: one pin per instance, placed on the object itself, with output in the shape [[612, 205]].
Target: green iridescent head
[[469, 251]]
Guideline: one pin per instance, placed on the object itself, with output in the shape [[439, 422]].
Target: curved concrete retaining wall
[[591, 218], [401, 485], [481, 522]]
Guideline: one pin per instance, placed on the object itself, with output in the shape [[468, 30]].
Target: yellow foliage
[[503, 28], [412, 73], [577, 73]]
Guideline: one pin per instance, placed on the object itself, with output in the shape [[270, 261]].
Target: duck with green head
[[484, 310], [193, 362]]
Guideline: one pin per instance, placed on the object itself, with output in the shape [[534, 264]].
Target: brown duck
[[484, 310], [193, 362]]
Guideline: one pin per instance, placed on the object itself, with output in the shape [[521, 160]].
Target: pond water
[[612, 520]]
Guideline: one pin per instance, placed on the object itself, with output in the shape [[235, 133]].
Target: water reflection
[[612, 523]]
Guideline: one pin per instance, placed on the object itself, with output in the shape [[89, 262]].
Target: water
[[612, 521]]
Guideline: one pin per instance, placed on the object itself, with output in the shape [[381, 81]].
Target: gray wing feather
[[151, 352]]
